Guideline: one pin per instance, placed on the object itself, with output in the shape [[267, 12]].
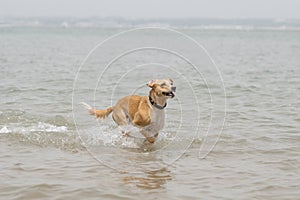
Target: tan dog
[[145, 112]]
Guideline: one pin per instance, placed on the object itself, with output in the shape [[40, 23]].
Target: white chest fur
[[157, 121]]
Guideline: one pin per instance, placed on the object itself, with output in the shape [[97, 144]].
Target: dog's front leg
[[149, 138]]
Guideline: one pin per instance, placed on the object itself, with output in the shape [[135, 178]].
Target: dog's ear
[[151, 83], [171, 81]]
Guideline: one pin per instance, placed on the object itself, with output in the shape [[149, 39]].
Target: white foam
[[50, 128], [108, 134], [5, 130], [39, 127]]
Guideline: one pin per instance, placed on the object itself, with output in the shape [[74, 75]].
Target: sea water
[[47, 154]]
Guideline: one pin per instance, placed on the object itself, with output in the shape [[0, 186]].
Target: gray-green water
[[42, 156]]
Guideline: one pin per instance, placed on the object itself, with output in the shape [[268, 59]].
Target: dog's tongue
[[169, 94]]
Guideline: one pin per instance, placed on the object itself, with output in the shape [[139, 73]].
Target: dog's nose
[[173, 89]]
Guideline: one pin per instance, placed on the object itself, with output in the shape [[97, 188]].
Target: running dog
[[145, 112]]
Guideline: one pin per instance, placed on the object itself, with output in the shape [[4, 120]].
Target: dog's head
[[163, 87]]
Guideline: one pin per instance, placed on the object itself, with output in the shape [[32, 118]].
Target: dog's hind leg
[[120, 118]]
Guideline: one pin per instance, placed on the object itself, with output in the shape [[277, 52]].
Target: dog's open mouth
[[168, 94]]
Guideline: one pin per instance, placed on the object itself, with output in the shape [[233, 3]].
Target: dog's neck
[[158, 102]]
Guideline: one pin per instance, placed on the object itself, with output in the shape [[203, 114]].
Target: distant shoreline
[[187, 23]]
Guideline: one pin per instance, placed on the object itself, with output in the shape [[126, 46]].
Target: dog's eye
[[163, 84]]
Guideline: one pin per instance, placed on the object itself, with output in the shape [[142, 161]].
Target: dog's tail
[[98, 113]]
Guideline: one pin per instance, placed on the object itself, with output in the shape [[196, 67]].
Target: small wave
[[28, 128], [50, 128], [5, 130], [57, 131], [39, 127]]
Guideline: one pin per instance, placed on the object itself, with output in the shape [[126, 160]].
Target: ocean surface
[[231, 132]]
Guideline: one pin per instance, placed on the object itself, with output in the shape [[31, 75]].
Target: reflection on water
[[149, 179]]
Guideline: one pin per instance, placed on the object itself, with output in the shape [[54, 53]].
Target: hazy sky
[[281, 9]]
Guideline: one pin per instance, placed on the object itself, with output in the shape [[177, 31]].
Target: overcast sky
[[280, 9]]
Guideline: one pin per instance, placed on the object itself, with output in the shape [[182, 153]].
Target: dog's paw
[[151, 140], [124, 133]]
